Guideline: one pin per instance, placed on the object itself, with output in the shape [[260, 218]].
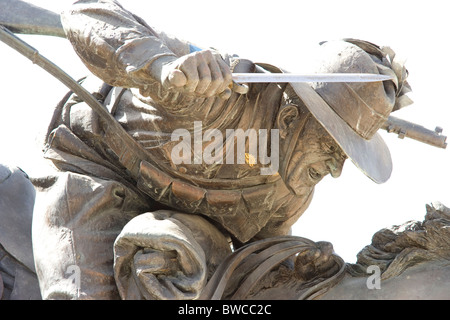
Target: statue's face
[[316, 154]]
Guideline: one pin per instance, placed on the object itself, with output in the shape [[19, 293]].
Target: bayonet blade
[[319, 77]]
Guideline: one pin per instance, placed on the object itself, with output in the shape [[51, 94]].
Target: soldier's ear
[[285, 119]]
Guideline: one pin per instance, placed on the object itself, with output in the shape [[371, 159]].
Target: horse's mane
[[397, 248]]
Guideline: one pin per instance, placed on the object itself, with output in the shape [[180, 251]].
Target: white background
[[345, 211]]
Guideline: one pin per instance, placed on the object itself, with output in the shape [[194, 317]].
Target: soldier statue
[[157, 227]]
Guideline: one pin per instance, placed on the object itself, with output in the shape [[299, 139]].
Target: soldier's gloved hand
[[203, 73], [316, 263]]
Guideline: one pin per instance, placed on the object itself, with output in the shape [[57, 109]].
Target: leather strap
[[267, 248], [261, 257]]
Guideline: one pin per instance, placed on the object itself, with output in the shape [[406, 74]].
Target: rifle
[[45, 22], [414, 131]]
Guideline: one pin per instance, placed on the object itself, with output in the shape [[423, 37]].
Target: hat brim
[[372, 156]]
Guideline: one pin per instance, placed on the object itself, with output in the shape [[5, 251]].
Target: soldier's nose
[[334, 167]]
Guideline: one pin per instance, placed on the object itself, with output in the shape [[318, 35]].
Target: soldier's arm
[[123, 50], [113, 43]]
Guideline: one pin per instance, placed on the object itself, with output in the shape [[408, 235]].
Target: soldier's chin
[[299, 191], [302, 192]]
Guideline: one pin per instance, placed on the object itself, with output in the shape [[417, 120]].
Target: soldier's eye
[[329, 147]]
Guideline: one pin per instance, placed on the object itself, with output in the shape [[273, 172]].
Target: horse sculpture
[[409, 261]]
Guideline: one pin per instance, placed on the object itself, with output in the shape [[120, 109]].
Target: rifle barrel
[[414, 131]]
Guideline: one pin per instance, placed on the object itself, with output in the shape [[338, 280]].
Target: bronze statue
[[161, 84], [216, 167]]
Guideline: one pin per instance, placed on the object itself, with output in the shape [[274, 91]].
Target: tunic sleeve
[[116, 45]]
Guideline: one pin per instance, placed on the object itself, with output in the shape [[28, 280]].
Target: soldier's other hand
[[316, 263], [203, 73]]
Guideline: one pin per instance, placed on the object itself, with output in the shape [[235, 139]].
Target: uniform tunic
[[80, 212]]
